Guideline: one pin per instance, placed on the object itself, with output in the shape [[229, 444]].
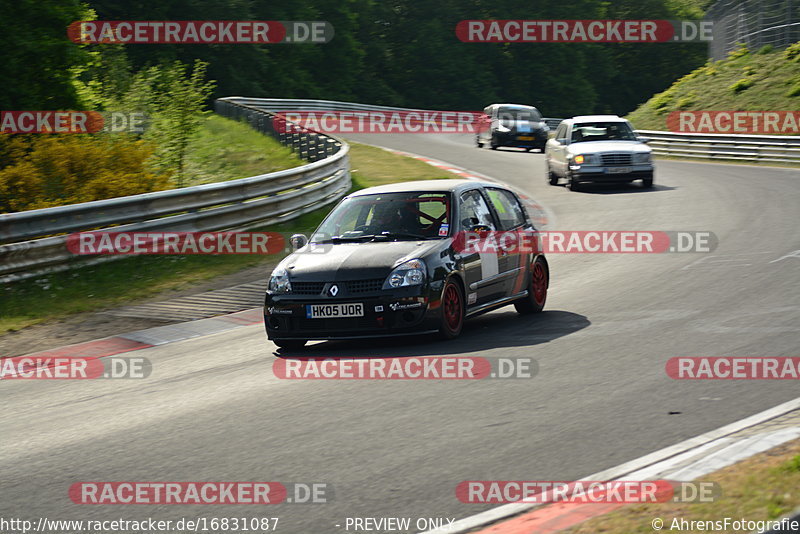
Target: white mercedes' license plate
[[618, 170], [327, 311]]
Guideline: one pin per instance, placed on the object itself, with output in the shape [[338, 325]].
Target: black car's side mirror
[[298, 241]]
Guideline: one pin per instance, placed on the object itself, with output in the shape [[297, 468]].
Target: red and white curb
[[152, 337], [684, 461]]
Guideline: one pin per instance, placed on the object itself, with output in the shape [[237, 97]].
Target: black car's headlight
[[409, 273], [279, 282]]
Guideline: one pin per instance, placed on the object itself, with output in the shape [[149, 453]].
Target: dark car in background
[[389, 260], [513, 125]]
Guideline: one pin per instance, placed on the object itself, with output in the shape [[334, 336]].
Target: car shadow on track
[[615, 189], [486, 332]]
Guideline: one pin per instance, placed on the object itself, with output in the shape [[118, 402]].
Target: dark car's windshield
[[410, 215], [519, 114], [602, 131]]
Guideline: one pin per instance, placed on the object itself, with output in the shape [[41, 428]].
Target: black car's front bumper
[[535, 139], [392, 312]]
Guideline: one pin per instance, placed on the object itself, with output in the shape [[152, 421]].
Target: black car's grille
[[616, 159], [307, 288], [364, 286], [353, 286]]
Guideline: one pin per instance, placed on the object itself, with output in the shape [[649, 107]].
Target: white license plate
[[327, 311], [618, 170]]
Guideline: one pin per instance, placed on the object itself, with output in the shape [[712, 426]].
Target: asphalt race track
[[212, 409]]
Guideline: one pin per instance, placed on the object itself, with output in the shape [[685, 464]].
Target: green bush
[[792, 53], [740, 51], [661, 101], [766, 49], [741, 85], [54, 170], [687, 101]]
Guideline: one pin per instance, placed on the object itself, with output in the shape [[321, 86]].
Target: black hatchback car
[[392, 260], [513, 125]]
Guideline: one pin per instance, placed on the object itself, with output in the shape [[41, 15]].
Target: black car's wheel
[[552, 178], [528, 149], [290, 344], [452, 311], [537, 289], [493, 143], [647, 183]]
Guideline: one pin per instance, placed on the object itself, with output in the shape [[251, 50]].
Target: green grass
[[225, 149], [125, 281], [766, 80], [764, 486]]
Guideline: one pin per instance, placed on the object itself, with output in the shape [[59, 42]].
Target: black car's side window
[[507, 207], [474, 210]]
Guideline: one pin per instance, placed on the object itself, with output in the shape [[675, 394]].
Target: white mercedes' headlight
[[410, 273], [641, 157], [279, 282], [586, 159]]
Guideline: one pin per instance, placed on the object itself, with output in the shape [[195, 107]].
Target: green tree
[[36, 54]]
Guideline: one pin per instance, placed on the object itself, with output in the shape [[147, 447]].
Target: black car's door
[[512, 222], [481, 267]]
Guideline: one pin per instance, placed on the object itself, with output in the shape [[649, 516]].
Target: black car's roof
[[432, 186]]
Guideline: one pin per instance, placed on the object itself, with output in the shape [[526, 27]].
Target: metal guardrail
[[288, 104], [30, 248], [751, 148]]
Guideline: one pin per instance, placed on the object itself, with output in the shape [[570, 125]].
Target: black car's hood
[[354, 261]]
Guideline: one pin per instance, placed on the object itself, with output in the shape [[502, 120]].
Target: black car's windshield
[[602, 131], [519, 114], [388, 216]]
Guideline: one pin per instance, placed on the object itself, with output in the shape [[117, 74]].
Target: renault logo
[[334, 289]]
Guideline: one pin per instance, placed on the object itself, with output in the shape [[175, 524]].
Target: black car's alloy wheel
[[537, 289], [452, 311]]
